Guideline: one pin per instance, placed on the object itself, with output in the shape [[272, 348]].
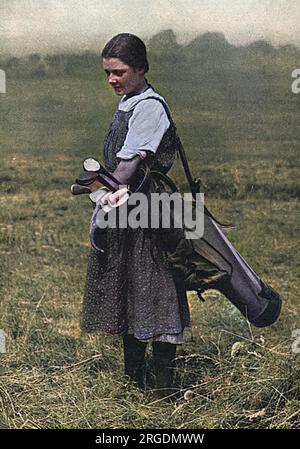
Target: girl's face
[[123, 78]]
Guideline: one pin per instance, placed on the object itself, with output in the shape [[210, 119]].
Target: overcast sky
[[27, 26]]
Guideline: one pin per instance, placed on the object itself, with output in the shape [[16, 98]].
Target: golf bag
[[211, 261]]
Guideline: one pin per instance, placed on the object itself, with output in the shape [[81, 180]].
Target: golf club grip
[[106, 183], [76, 189]]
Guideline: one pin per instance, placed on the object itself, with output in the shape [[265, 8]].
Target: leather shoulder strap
[[193, 183]]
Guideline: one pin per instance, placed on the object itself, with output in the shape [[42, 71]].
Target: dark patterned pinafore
[[130, 288]]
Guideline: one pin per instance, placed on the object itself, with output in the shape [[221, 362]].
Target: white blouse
[[146, 126]]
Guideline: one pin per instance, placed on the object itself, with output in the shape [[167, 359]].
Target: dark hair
[[129, 48]]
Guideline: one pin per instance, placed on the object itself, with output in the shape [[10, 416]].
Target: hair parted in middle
[[129, 48]]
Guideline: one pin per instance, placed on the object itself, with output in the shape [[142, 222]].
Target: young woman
[[130, 290]]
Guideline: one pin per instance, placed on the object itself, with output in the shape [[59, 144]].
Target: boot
[[134, 360], [164, 364]]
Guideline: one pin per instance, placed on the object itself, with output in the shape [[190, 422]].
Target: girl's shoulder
[[150, 95]]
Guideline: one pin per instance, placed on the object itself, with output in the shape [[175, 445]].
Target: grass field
[[52, 375]]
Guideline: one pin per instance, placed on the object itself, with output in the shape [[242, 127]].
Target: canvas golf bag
[[212, 262]]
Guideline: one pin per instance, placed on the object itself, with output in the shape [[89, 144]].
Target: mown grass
[[52, 375]]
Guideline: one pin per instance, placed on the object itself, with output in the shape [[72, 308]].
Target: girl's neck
[[139, 91]]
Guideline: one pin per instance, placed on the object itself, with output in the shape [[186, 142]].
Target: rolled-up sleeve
[[146, 127]]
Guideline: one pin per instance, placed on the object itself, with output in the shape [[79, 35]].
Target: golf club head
[[76, 189], [90, 164]]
